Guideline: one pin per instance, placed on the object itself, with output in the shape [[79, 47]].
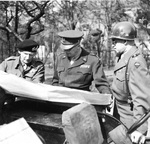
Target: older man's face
[[71, 51], [26, 56]]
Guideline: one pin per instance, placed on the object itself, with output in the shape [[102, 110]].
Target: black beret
[[28, 45], [70, 37]]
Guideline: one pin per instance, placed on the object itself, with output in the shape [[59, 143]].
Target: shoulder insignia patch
[[137, 64]]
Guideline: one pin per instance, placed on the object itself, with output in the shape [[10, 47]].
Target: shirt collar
[[18, 63], [123, 61]]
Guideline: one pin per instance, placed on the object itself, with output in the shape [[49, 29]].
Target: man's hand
[[137, 137]]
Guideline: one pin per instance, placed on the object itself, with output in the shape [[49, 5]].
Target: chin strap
[[127, 86], [130, 101]]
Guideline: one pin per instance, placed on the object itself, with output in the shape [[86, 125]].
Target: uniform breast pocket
[[121, 82], [16, 72], [85, 74], [120, 76]]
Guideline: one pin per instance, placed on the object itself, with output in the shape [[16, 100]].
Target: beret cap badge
[[28, 45]]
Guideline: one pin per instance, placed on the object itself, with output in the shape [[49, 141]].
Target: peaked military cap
[[28, 45], [70, 37]]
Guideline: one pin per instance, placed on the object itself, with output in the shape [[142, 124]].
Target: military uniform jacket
[[81, 73], [138, 82], [34, 72]]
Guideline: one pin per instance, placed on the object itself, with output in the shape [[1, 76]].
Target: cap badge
[[34, 48]]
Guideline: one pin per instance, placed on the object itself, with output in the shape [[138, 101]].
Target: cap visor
[[66, 47]]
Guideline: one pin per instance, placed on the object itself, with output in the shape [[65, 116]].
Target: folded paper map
[[23, 88]]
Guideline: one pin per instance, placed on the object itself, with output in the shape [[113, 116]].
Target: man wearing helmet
[[131, 79]]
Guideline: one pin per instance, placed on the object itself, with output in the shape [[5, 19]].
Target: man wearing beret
[[76, 68], [25, 66]]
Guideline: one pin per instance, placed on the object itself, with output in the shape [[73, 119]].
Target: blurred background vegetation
[[42, 20]]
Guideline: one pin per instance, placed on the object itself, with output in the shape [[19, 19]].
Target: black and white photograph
[[75, 72]]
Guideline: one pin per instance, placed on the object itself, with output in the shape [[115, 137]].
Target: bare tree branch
[[41, 8], [8, 29]]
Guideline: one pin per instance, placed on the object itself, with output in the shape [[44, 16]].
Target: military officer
[[76, 68], [25, 65], [131, 83]]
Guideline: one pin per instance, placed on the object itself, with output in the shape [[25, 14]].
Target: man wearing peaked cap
[[77, 68], [70, 38], [71, 34]]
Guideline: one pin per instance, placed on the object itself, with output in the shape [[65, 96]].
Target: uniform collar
[[17, 62], [82, 58], [123, 61]]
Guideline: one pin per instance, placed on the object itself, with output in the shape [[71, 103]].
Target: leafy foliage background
[[42, 20]]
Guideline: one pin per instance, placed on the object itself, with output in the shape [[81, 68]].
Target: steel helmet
[[124, 30]]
